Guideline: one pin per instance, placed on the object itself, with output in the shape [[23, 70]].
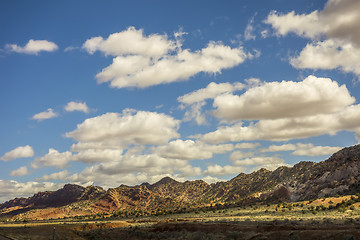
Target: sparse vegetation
[[158, 210], [203, 223]]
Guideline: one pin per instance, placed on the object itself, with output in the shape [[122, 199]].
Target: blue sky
[[123, 92]]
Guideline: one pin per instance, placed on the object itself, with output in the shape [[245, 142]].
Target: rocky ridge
[[340, 174]]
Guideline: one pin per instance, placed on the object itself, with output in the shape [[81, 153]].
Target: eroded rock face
[[340, 174], [68, 194]]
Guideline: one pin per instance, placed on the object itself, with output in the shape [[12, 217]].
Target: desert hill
[[340, 174]]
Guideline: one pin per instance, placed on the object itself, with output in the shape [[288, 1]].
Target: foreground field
[[188, 230], [331, 218]]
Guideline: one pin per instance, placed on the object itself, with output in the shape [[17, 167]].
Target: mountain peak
[[166, 181], [340, 174]]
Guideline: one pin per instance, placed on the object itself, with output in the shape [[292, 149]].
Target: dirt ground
[[186, 230]]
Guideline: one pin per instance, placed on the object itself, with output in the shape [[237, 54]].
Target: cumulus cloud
[[211, 179], [218, 170], [19, 152], [338, 23], [10, 189], [289, 128], [143, 61], [98, 155], [236, 155], [338, 19], [329, 54], [246, 145], [284, 99], [81, 146], [131, 41], [77, 106], [62, 175], [20, 172], [301, 149], [33, 47], [311, 150], [45, 115], [305, 25], [211, 91], [129, 127], [244, 160], [194, 101], [281, 111], [279, 148], [142, 72], [194, 111], [134, 168], [270, 163], [53, 158], [189, 150]]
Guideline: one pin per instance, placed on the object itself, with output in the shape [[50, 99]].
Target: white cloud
[[210, 179], [194, 111], [134, 168], [142, 71], [246, 145], [81, 146], [338, 23], [194, 101], [301, 149], [218, 170], [33, 47], [127, 128], [279, 148], [19, 152], [10, 189], [211, 91], [284, 99], [265, 33], [77, 106], [189, 171], [270, 163], [270, 166], [98, 155], [189, 150], [70, 48], [329, 54], [53, 159], [236, 155], [45, 115], [20, 172], [249, 30], [284, 129], [143, 61], [243, 160], [311, 150], [131, 41], [339, 20], [62, 175], [306, 25]]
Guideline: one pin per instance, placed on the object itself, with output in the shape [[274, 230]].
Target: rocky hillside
[[340, 174], [70, 193]]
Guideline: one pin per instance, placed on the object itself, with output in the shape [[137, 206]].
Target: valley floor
[[304, 220], [186, 229]]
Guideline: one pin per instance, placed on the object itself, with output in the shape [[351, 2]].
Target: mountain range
[[338, 175]]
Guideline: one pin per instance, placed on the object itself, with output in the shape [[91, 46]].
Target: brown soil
[[187, 230]]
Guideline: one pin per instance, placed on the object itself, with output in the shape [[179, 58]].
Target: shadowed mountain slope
[[340, 174]]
